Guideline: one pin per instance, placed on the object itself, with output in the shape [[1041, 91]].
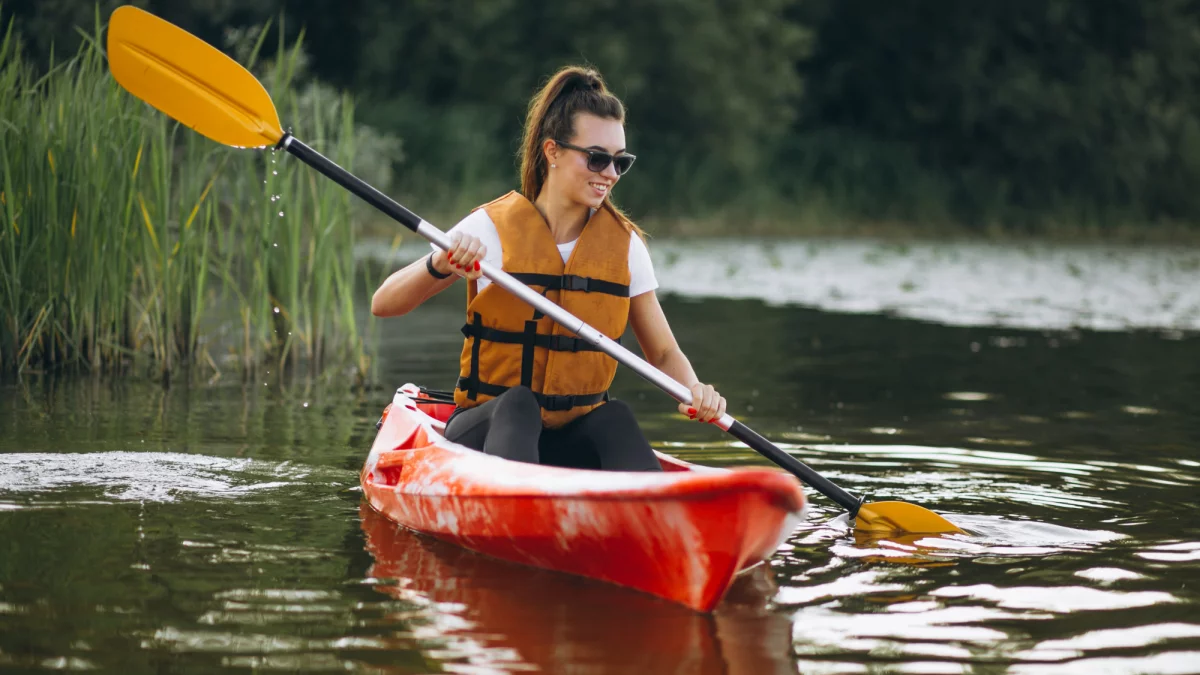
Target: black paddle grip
[[349, 181], [802, 471]]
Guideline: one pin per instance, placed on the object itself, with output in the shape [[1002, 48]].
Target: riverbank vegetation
[[129, 242]]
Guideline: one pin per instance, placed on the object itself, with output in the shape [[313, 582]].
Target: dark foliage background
[[1023, 113]]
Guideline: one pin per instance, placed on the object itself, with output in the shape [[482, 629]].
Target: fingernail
[[476, 265], [691, 411]]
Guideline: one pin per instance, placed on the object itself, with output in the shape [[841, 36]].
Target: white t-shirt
[[479, 224]]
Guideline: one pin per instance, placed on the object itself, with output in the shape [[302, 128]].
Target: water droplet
[[306, 404], [276, 311], [281, 214], [274, 173], [276, 244]]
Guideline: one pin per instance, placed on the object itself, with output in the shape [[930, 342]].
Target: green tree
[[1035, 105]]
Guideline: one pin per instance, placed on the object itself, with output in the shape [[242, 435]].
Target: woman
[[528, 389]]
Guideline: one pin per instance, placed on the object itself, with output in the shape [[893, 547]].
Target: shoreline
[[1022, 284], [804, 228]]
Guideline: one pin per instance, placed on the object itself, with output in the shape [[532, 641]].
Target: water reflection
[[494, 615]]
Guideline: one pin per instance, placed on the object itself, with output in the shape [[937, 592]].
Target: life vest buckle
[[572, 282], [565, 343], [558, 402]]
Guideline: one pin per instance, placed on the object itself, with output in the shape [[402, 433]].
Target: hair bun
[[583, 80]]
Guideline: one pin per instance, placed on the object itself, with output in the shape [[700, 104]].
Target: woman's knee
[[619, 441], [615, 412], [519, 402]]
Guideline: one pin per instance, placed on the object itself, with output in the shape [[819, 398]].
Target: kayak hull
[[682, 534]]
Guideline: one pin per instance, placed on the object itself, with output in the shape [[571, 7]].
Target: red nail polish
[[692, 411], [476, 265]]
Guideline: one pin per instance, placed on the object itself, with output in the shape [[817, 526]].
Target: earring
[[553, 166]]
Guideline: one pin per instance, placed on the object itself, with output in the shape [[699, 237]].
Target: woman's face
[[571, 176]]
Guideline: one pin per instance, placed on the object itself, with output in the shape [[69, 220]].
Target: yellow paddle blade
[[190, 80], [902, 517], [921, 549]]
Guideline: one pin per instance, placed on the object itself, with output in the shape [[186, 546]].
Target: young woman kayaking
[[528, 390]]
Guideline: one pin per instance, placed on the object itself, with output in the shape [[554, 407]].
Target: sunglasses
[[598, 160]]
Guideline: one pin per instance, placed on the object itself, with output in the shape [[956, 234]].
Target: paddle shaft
[[569, 321]]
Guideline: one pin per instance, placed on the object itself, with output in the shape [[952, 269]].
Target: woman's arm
[[662, 351], [406, 289]]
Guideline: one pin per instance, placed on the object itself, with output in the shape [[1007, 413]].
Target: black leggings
[[510, 426]]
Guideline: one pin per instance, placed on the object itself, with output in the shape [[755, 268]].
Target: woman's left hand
[[707, 404]]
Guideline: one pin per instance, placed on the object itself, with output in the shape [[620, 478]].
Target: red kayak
[[682, 534]]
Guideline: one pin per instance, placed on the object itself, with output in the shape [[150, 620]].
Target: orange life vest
[[508, 343]]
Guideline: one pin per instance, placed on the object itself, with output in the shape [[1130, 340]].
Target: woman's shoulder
[[639, 252], [506, 197], [625, 222], [477, 222]]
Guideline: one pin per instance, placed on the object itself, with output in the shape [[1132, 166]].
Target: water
[[219, 527]]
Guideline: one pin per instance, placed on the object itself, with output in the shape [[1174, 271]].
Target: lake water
[[219, 526]]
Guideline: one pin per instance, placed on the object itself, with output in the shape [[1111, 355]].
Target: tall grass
[[128, 241]]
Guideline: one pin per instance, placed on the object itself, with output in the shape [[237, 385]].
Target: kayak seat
[[438, 411]]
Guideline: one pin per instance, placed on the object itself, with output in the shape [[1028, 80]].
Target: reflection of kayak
[[681, 534], [500, 617]]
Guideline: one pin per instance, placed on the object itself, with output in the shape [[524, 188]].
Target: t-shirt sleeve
[[641, 269], [479, 224]]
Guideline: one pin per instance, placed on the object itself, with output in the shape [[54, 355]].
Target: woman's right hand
[[463, 258]]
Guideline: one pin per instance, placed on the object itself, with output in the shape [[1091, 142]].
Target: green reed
[[126, 240]]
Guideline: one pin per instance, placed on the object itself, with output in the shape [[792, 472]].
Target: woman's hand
[[463, 258], [707, 404]]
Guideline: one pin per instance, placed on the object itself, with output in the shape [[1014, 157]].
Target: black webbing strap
[[473, 380], [572, 282], [435, 396], [557, 343], [529, 338], [556, 402]]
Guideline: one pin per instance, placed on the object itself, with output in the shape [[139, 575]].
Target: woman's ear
[[550, 150]]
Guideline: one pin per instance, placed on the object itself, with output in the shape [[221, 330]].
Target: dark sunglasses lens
[[598, 161], [623, 162]]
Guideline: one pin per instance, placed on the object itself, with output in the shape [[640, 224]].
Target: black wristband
[[432, 271]]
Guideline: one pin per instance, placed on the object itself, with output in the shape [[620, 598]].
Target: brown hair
[[573, 89]]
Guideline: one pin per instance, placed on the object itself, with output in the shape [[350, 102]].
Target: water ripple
[[1057, 599], [140, 476]]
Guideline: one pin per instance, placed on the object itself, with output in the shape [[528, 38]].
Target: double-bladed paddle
[[204, 89]]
